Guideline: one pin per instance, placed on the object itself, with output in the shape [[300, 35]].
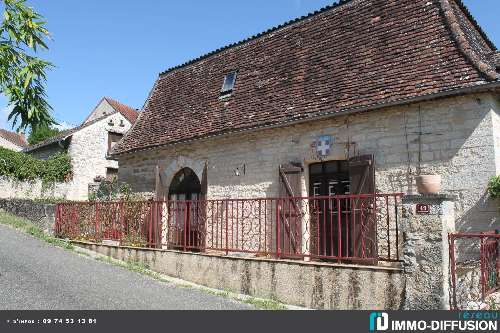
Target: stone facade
[[459, 142], [425, 250], [102, 109], [88, 149], [496, 131], [9, 145]]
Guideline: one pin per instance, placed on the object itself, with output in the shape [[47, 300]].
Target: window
[[228, 86], [111, 174], [113, 139]]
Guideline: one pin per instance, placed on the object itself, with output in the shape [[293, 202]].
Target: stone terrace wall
[[458, 144], [318, 286], [41, 214]]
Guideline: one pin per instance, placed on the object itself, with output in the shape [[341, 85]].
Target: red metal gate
[[474, 268]]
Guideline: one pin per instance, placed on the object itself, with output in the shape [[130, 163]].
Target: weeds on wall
[[112, 190], [494, 187], [23, 167]]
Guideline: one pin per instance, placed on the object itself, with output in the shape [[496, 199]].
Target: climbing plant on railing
[[494, 187], [23, 167]]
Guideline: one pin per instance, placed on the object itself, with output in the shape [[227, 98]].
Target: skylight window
[[228, 86]]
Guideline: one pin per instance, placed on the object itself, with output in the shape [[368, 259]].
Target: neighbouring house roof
[[62, 135], [129, 113], [352, 56], [126, 111], [15, 138]]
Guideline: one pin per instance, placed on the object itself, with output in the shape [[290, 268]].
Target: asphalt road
[[37, 276]]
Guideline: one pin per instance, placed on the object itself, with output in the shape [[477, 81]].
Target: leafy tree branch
[[22, 74]]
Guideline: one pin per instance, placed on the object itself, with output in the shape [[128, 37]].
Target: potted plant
[[428, 184]]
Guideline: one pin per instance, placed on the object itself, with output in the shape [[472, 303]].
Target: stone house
[[13, 141], [408, 85], [89, 145]]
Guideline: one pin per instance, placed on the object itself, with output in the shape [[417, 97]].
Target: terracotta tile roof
[[354, 55], [15, 138], [128, 112]]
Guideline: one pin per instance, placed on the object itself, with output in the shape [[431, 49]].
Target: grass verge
[[33, 230]]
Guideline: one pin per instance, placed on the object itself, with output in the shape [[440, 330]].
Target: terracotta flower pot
[[428, 184]]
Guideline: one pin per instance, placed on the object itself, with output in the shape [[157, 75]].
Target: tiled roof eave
[[479, 88], [487, 69], [66, 134]]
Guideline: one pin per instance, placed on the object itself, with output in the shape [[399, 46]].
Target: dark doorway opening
[[186, 229], [326, 180], [345, 226]]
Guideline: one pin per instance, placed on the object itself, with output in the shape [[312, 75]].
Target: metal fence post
[[227, 229], [451, 242], [278, 222], [186, 207], [96, 236]]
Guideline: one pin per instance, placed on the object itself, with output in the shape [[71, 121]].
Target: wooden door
[[290, 211], [363, 210]]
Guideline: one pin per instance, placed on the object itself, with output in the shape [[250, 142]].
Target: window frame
[[110, 141], [228, 91]]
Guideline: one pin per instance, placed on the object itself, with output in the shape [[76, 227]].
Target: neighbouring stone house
[[13, 141], [88, 146], [415, 84]]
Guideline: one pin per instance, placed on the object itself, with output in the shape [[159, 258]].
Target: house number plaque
[[423, 209]]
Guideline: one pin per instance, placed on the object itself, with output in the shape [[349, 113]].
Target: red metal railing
[[474, 268], [351, 228]]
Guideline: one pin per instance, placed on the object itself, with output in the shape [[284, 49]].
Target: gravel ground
[[37, 276]]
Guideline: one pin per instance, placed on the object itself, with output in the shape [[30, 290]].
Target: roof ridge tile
[[258, 35]]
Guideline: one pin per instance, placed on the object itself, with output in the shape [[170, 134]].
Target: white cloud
[[62, 126]]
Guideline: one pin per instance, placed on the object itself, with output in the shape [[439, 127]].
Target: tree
[[41, 133], [22, 74]]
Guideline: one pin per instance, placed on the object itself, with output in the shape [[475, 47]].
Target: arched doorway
[[186, 224]]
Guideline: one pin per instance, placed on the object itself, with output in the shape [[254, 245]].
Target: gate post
[[426, 222]]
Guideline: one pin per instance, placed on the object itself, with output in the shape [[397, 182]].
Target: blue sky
[[116, 48]]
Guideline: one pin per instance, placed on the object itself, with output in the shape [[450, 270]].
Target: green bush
[[24, 167], [494, 187]]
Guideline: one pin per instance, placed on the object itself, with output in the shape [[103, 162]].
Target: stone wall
[[496, 131], [40, 214], [458, 143], [311, 285], [13, 189]]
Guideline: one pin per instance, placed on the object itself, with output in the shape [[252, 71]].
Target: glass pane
[[344, 166], [332, 167], [229, 82], [316, 169]]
